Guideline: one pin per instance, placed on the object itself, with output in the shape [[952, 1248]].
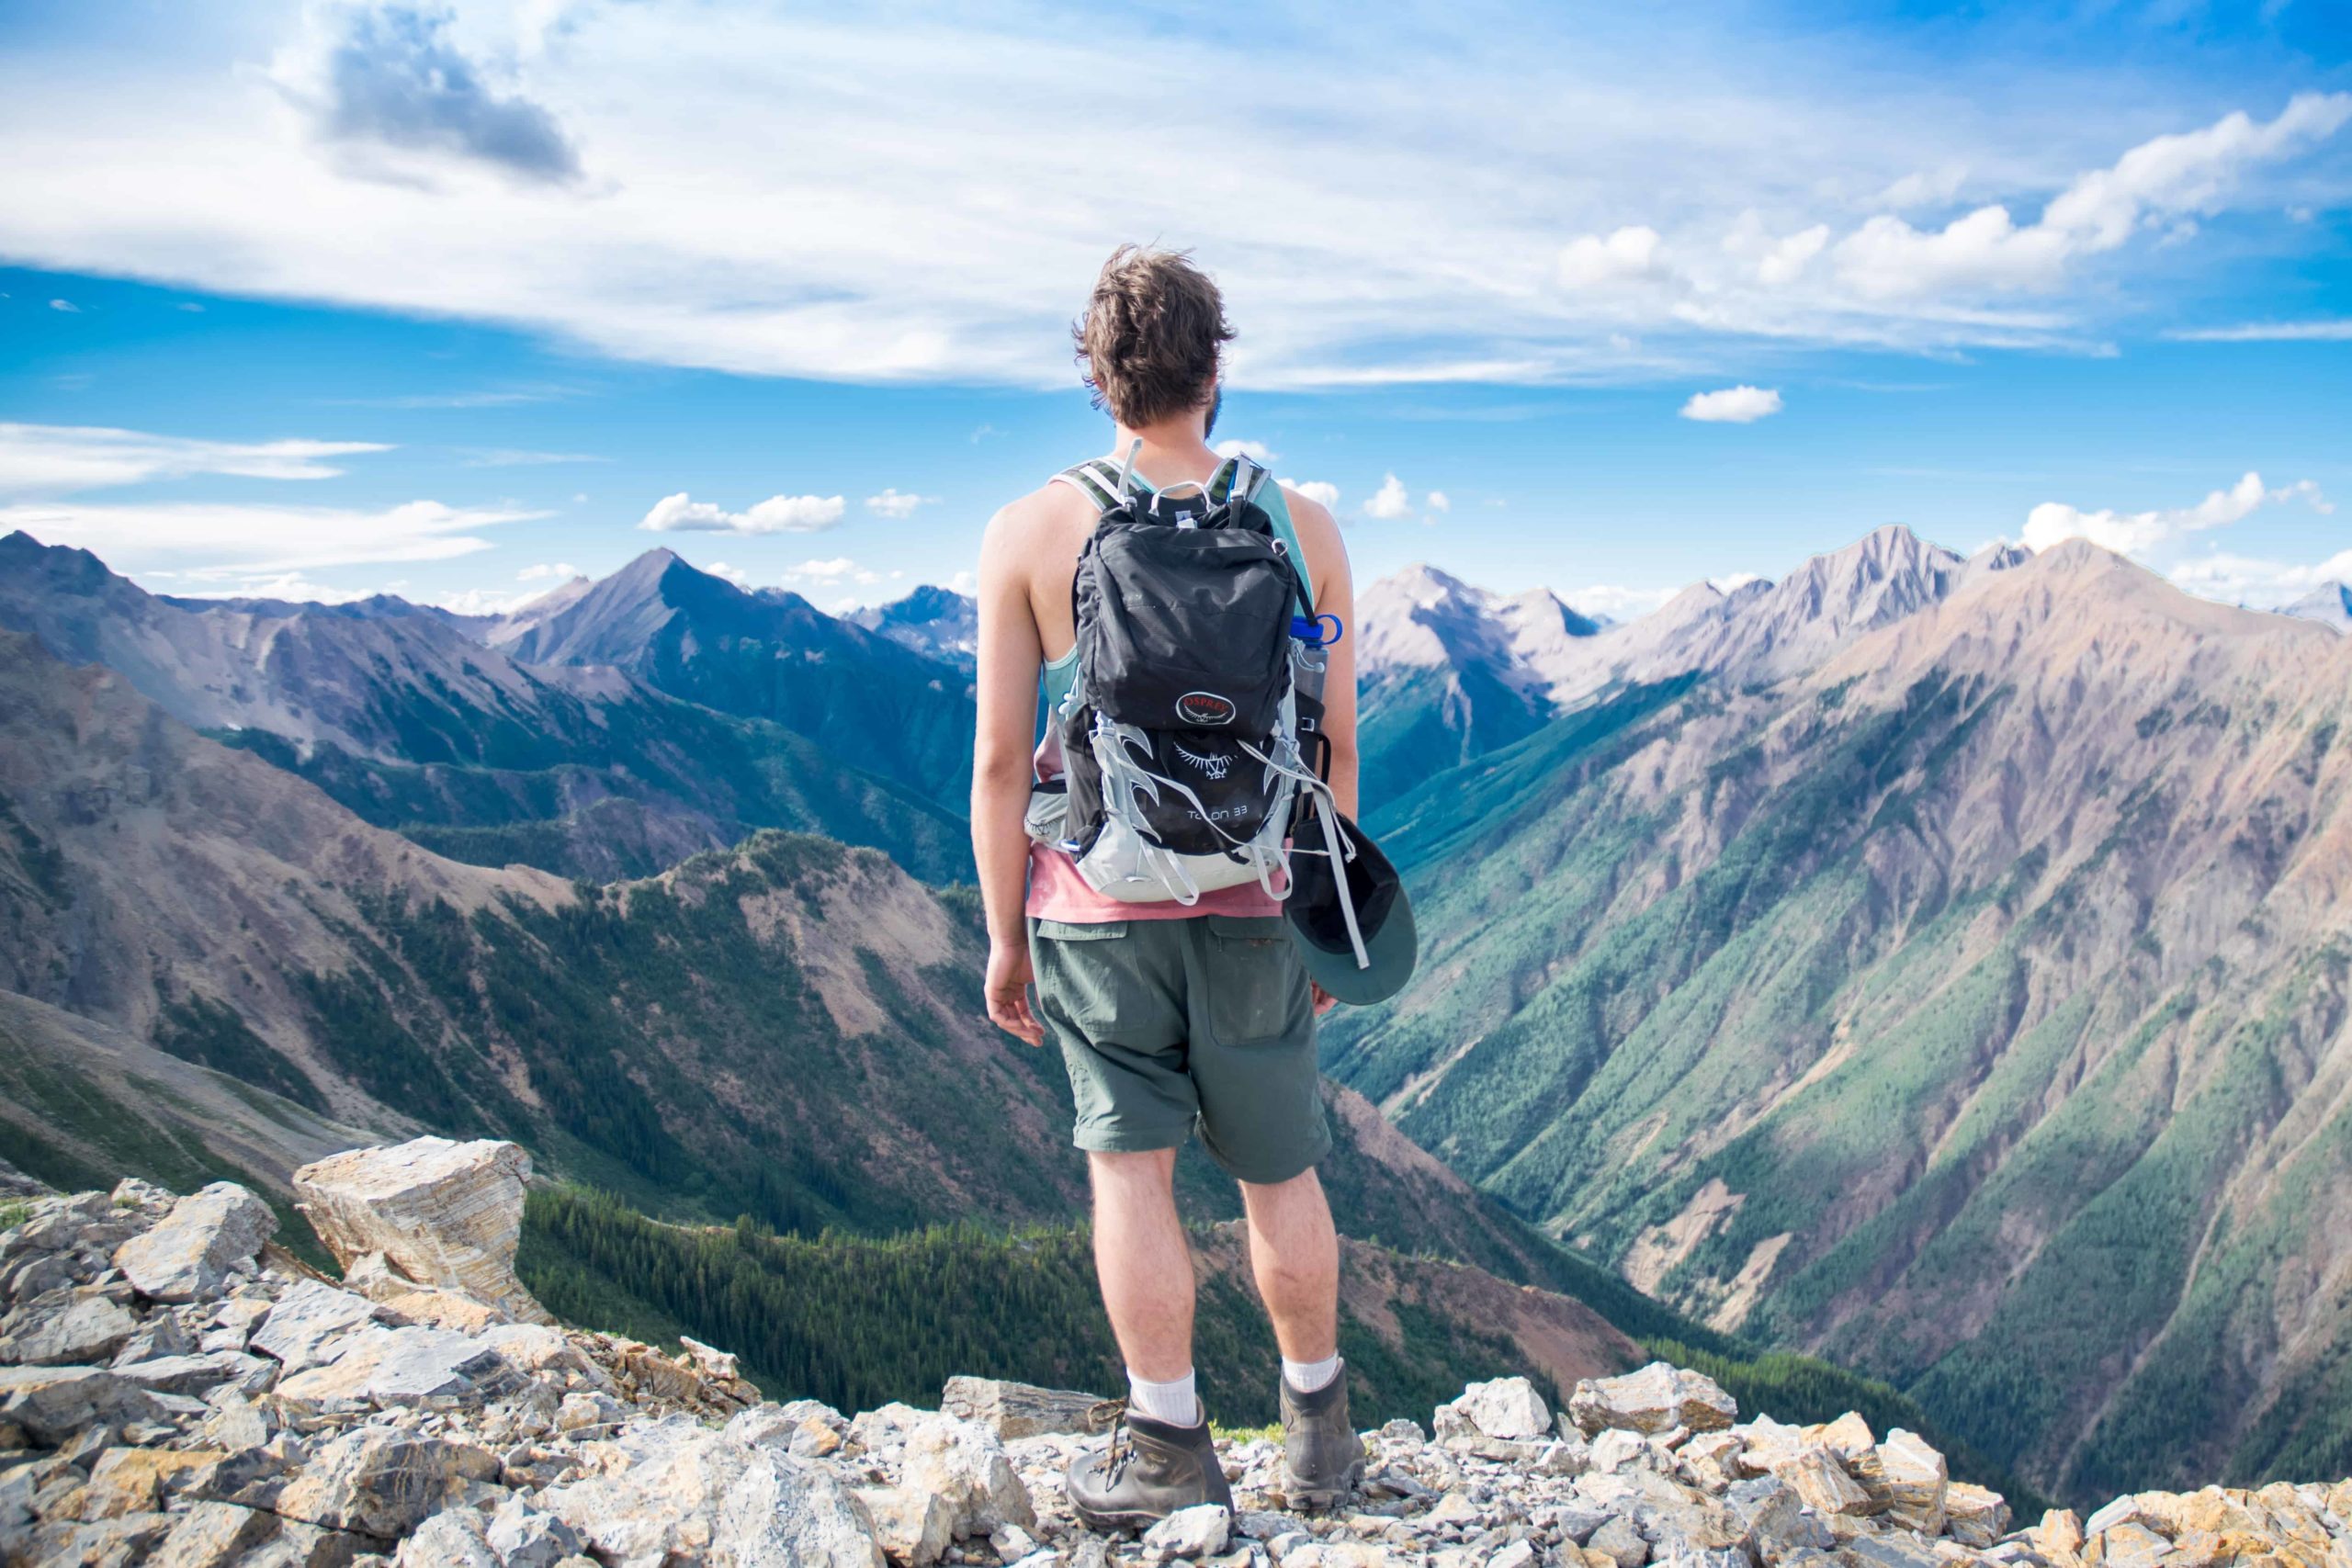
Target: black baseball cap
[[1383, 919]]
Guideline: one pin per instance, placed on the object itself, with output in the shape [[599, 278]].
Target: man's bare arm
[[1010, 657], [1335, 594]]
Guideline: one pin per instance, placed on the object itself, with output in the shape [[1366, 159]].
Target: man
[[1171, 1019]]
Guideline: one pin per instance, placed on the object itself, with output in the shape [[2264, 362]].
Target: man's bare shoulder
[[1318, 531], [1045, 512]]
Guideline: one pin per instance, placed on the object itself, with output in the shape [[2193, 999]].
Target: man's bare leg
[[1294, 1256], [1143, 1262]]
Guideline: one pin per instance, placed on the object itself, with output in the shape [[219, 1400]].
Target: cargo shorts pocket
[[1085, 971], [1257, 984]]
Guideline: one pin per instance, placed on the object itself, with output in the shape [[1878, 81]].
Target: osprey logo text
[[1205, 707], [1213, 764]]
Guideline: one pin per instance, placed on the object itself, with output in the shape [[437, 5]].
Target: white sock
[[1175, 1402], [1305, 1377]]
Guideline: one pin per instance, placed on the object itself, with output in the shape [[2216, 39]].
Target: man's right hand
[[1008, 992]]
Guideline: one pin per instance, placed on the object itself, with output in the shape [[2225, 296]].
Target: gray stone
[[1023, 1410], [383, 1482], [1657, 1399], [1192, 1533], [195, 1374], [1508, 1408], [446, 1214], [525, 1537], [311, 1324], [84, 1331], [401, 1366], [780, 1513], [1906, 1480], [192, 1251], [966, 1466], [53, 1404], [914, 1527], [1620, 1542], [212, 1535], [455, 1538]]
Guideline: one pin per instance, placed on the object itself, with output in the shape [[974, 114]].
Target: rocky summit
[[177, 1389]]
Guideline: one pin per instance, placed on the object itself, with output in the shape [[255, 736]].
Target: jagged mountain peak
[[2330, 605]]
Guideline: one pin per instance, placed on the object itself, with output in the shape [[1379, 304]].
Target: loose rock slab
[[190, 1254], [1657, 1400], [446, 1214]]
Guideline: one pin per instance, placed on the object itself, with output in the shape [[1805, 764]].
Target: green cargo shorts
[[1171, 1027]]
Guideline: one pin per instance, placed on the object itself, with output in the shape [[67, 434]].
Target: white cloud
[[2135, 533], [1616, 602], [1734, 581], [2340, 330], [1256, 451], [206, 542], [680, 514], [1632, 255], [562, 572], [1320, 491], [1924, 189], [523, 457], [1437, 501], [964, 582], [1389, 501], [62, 459], [67, 306], [896, 502], [2164, 178], [734, 574], [1733, 405], [2245, 579], [840, 568]]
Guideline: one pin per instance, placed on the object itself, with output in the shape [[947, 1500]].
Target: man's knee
[[1142, 1170]]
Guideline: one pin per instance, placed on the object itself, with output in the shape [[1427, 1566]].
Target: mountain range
[[502, 739], [1954, 984], [1932, 961]]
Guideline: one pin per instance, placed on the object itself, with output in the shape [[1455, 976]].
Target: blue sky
[[325, 298]]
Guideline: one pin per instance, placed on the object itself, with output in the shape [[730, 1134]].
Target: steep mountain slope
[[938, 623], [1445, 672], [1973, 1009], [399, 712], [865, 699], [1450, 672]]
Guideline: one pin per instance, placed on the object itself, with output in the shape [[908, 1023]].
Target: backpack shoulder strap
[[1098, 480]]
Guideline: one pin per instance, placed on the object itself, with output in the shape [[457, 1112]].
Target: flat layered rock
[[446, 1214], [192, 1253], [399, 1366], [1023, 1410], [1660, 1398]]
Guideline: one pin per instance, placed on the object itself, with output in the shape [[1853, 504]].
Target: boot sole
[[1132, 1519], [1324, 1497]]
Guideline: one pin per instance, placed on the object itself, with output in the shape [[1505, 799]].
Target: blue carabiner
[[1311, 632]]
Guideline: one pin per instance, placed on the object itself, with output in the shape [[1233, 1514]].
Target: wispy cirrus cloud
[[214, 543], [63, 459]]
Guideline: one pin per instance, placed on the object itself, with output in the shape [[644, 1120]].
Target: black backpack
[[1186, 734]]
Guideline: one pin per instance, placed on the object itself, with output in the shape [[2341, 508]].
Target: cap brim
[[1392, 949]]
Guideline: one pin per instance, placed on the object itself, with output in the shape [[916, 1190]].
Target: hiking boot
[[1322, 1458], [1149, 1470]]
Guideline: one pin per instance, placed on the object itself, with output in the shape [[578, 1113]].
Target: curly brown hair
[[1149, 337]]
